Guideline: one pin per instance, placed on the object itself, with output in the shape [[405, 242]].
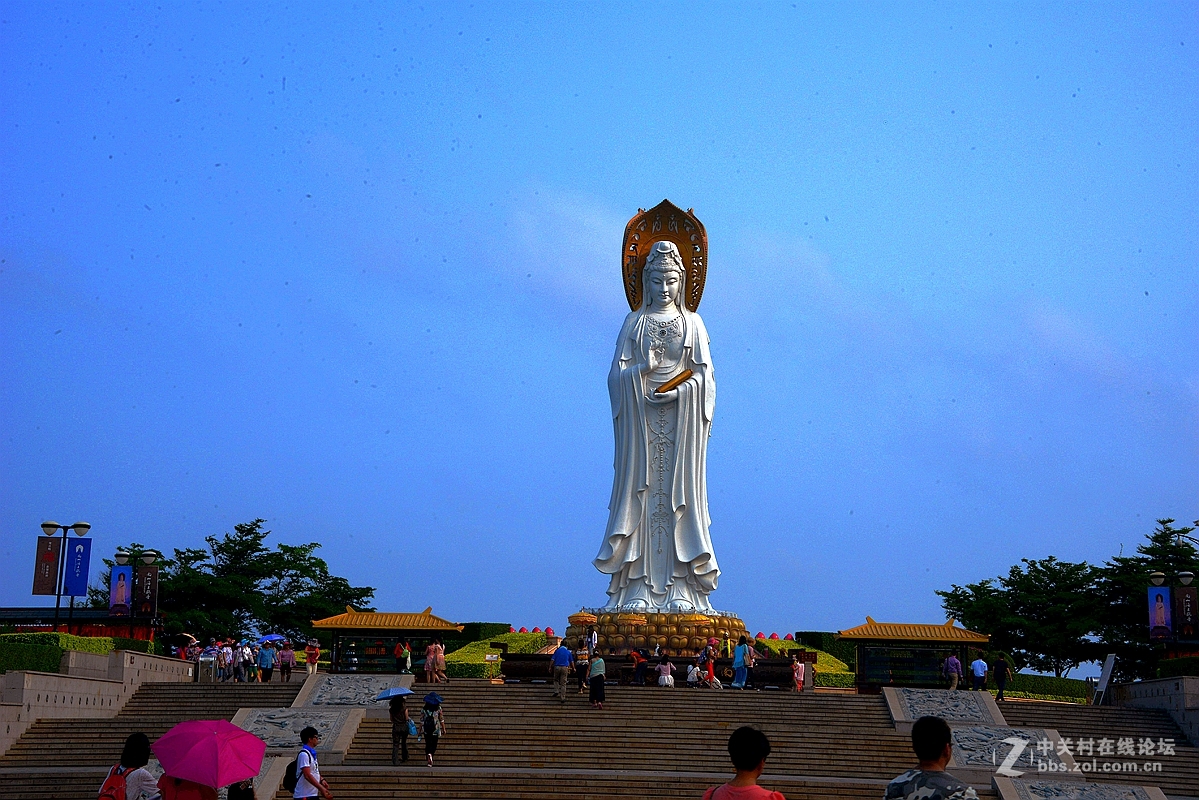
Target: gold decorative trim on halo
[[665, 222]]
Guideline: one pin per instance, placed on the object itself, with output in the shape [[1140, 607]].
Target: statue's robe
[[685, 571]]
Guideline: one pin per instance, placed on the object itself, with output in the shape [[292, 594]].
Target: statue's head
[[663, 276]]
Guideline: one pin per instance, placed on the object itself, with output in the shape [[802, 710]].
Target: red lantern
[[760, 635], [511, 629], [774, 636], [524, 629], [537, 629], [549, 631], [789, 638]]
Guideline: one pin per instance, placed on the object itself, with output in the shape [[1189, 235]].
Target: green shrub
[[137, 645], [825, 662], [469, 661], [1056, 698], [1175, 667], [23, 655], [1042, 685], [478, 631], [828, 642], [64, 641], [842, 680]]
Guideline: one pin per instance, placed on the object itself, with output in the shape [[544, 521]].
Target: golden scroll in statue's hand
[[675, 382]]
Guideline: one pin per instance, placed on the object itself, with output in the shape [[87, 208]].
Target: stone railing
[[1179, 696], [89, 685]]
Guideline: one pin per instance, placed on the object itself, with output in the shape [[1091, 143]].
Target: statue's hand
[[665, 397]]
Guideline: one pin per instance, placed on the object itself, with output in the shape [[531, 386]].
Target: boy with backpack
[[303, 776]]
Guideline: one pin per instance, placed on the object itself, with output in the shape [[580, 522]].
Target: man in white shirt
[[227, 657], [978, 669], [308, 774]]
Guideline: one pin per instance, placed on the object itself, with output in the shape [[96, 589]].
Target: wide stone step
[[412, 782]]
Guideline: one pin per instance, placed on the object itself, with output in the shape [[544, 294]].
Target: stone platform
[[683, 634]]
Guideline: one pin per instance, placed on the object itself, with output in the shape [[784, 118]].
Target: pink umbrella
[[211, 752]]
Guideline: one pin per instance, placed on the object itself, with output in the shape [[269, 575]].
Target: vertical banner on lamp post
[[1160, 624], [45, 573], [79, 563], [120, 591], [146, 592], [1186, 613]]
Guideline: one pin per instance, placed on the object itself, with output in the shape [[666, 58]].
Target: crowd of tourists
[[243, 661], [590, 670]]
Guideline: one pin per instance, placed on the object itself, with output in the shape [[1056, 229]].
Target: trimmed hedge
[[1176, 667], [828, 642], [468, 661], [137, 645], [23, 655], [64, 641], [101, 645], [1054, 697], [825, 662], [843, 680], [1042, 686]]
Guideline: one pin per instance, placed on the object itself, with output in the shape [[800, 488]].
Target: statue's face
[[663, 288]]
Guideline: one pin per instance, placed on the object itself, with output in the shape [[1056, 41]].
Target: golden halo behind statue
[[665, 222]]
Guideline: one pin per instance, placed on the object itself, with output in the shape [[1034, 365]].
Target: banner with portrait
[[120, 591], [1160, 621]]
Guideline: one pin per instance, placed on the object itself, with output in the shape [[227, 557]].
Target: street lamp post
[[50, 529], [147, 557], [1182, 603]]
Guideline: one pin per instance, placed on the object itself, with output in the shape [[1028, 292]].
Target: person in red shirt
[[639, 668], [748, 748], [312, 654]]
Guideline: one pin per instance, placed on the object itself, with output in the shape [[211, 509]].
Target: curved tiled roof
[[376, 621], [913, 632]]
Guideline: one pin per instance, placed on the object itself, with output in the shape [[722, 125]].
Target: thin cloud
[[568, 245], [1076, 341]]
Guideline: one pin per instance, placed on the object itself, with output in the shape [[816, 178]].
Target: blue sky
[[355, 270]]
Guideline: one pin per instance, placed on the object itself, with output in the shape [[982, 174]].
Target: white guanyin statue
[[657, 547]]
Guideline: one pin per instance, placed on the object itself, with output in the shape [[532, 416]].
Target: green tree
[[1043, 613], [1122, 597], [237, 586]]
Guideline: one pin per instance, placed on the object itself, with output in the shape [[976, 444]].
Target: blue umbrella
[[395, 691], [272, 637]]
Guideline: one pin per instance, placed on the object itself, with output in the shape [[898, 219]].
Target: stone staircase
[[515, 741], [66, 759], [1179, 776]]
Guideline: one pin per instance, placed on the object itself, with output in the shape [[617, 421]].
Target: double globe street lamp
[[148, 557], [52, 529], [143, 601]]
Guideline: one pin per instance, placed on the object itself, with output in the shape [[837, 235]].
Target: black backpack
[[290, 778], [430, 723]]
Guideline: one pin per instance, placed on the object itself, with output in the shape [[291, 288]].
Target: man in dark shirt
[[1002, 673], [933, 743]]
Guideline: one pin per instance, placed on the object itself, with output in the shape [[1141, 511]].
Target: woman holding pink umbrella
[[200, 756]]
